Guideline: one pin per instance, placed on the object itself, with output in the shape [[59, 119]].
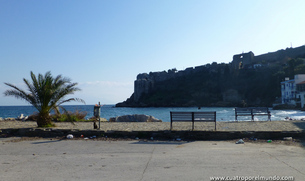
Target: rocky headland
[[248, 80]]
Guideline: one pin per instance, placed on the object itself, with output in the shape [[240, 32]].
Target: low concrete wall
[[157, 135]]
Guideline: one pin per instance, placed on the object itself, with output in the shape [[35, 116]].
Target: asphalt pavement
[[138, 160]]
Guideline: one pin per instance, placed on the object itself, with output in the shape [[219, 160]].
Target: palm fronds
[[45, 93]]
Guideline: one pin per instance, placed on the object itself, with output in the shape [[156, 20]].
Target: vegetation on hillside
[[253, 86]]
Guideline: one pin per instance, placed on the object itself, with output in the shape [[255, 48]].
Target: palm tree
[[45, 94]]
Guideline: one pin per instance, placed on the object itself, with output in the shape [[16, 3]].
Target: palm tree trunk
[[44, 120]]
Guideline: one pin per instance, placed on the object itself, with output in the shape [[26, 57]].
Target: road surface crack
[[151, 154], [285, 163]]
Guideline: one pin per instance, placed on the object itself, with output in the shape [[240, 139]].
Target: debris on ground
[[241, 141], [69, 136]]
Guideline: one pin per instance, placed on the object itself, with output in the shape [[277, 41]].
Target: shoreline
[[107, 111]]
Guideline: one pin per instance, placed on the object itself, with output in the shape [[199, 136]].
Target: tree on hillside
[[45, 93]]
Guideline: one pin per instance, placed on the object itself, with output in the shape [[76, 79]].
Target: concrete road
[[135, 160]]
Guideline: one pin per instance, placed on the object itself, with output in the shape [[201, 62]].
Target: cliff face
[[213, 84], [145, 83], [177, 88]]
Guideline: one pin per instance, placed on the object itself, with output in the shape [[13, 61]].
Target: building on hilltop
[[244, 59], [249, 61]]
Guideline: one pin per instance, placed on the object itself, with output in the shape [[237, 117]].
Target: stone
[[135, 118], [112, 120], [241, 141], [287, 138], [20, 117], [104, 120], [9, 119], [231, 96]]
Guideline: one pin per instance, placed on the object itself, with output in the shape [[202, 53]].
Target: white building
[[292, 90], [288, 91], [301, 93]]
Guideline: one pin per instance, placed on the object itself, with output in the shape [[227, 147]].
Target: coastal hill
[[248, 80]]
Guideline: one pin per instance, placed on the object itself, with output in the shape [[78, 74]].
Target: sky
[[103, 45]]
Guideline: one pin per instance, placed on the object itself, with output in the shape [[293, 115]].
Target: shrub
[[70, 116]]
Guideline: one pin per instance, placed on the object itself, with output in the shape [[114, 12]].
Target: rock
[[241, 141], [231, 96], [112, 120], [283, 107], [152, 119], [95, 119], [287, 138], [9, 119], [135, 118], [1, 119], [104, 120], [21, 117]]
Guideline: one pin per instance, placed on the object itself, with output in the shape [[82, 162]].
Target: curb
[[162, 135]]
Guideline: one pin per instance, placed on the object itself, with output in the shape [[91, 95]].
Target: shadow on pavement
[[162, 142], [300, 124], [48, 141]]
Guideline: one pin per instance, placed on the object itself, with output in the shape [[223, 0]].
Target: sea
[[163, 113]]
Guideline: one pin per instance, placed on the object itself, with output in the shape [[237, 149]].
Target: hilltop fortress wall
[[146, 82], [278, 56]]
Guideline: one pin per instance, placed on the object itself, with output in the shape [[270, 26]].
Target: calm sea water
[[108, 111]]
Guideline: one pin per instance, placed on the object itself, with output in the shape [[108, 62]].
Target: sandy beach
[[162, 126]]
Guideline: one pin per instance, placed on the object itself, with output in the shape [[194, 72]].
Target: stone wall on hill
[[145, 83], [279, 56]]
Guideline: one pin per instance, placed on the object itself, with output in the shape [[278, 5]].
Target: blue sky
[[103, 45]]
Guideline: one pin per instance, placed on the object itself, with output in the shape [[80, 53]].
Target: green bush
[[70, 117]]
